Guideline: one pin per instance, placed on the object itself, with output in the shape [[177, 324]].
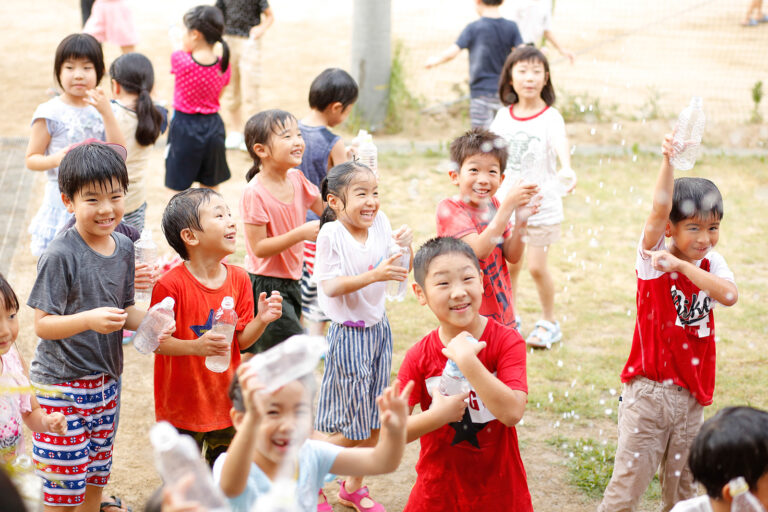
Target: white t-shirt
[[339, 254], [533, 17], [531, 144], [697, 504]]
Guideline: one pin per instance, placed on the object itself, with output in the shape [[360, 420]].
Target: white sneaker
[[234, 140]]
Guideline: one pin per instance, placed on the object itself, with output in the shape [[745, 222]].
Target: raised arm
[[657, 221], [387, 270], [448, 54], [269, 310]]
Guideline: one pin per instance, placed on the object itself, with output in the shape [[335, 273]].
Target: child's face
[[98, 209], [694, 237], [361, 204], [478, 178], [528, 79], [9, 328], [285, 422], [77, 76], [453, 290], [219, 231], [286, 145]]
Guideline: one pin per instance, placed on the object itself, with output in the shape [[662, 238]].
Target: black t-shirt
[[489, 41], [241, 15]]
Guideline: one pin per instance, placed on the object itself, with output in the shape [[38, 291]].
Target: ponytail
[[134, 73], [224, 55], [328, 214], [258, 129], [149, 119], [254, 170], [209, 21]]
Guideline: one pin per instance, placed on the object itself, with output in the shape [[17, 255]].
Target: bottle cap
[[227, 303], [167, 303]]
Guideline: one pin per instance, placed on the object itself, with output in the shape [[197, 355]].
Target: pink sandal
[[322, 503], [360, 500]]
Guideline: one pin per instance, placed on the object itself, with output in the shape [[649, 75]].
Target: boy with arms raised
[[469, 457], [670, 374]]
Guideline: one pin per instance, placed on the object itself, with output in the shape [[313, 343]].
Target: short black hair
[[476, 141], [9, 299], [79, 46], [524, 53], [236, 391], [695, 197], [183, 212], [732, 443], [493, 2], [439, 246], [331, 86], [92, 163]]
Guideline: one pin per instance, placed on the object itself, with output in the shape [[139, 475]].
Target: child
[[16, 404], [534, 18], [478, 218], [733, 443], [245, 22], [81, 112], [331, 98], [755, 14], [199, 227], [274, 208], [469, 458], [352, 268], [196, 150], [272, 426], [535, 133], [489, 41], [112, 20], [83, 297], [140, 121], [670, 373]]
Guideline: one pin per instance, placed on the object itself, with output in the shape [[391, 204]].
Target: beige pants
[[657, 424], [245, 66]]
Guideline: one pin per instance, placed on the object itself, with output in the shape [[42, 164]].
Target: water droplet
[[612, 392], [673, 275], [637, 455], [677, 473], [608, 412], [677, 456], [695, 361], [629, 463], [634, 158], [592, 131], [631, 369], [559, 363]]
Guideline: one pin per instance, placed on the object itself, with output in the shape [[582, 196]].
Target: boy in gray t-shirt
[[83, 297]]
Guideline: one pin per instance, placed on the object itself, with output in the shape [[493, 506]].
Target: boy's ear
[[336, 107], [725, 494], [454, 177], [236, 417], [420, 295], [70, 206], [189, 237]]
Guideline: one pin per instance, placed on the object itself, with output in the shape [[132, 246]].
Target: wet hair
[[236, 391], [183, 212], [134, 73], [732, 443], [493, 2], [79, 46], [10, 499], [695, 197], [439, 246], [209, 21], [9, 299], [331, 86], [476, 141], [337, 182], [258, 130], [91, 164], [524, 53]]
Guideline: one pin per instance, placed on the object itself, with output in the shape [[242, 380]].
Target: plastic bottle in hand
[[367, 153], [743, 500], [566, 179], [295, 357], [452, 381], [145, 250], [224, 323], [176, 457], [158, 318], [396, 290], [687, 138]]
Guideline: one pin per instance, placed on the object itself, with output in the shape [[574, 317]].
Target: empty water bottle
[[223, 323], [145, 250], [396, 290], [158, 318], [177, 457], [367, 153], [452, 381], [688, 133], [743, 500], [295, 357], [566, 179]]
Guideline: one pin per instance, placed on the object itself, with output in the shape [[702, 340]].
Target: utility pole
[[371, 58]]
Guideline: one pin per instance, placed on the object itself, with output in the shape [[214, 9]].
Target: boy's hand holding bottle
[[463, 348], [270, 308], [663, 261], [212, 344], [528, 210], [56, 423], [519, 195], [449, 409], [106, 319]]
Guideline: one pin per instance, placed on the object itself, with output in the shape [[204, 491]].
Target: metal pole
[[371, 58]]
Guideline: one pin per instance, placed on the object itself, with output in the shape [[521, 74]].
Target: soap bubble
[[486, 147], [499, 142], [608, 412], [695, 361]]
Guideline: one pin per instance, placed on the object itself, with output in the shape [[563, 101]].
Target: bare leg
[[91, 502], [127, 49], [537, 265]]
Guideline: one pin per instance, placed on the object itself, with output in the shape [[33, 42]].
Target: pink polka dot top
[[197, 87]]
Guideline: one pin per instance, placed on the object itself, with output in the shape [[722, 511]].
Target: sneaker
[[234, 140]]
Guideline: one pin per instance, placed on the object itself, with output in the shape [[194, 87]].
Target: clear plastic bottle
[[295, 357], [367, 153], [158, 318], [452, 381], [566, 179], [177, 457], [145, 250], [224, 323], [688, 133], [396, 290], [743, 500]]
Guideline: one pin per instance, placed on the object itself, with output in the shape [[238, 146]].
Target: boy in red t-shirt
[[469, 458], [198, 225], [670, 374], [478, 218]]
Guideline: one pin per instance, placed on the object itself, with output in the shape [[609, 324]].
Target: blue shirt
[[318, 143], [489, 41]]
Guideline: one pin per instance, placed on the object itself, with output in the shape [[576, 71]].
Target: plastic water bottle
[[367, 152], [295, 357], [224, 323], [743, 500], [566, 179], [158, 318], [396, 290], [145, 250], [687, 138], [452, 381], [177, 457]]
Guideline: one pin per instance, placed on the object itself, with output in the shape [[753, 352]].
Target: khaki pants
[[657, 424], [245, 66]]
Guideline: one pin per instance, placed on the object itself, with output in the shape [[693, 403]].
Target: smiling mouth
[[460, 308], [105, 222], [230, 236]]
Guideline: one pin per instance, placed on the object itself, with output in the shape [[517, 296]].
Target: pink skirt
[[112, 21]]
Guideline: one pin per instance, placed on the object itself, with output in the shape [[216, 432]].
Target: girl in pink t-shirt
[[274, 208]]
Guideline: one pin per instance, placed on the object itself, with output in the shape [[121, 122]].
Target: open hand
[[105, 320], [98, 99], [270, 309], [56, 423], [393, 406]]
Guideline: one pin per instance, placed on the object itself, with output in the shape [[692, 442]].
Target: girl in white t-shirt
[[535, 133], [352, 267]]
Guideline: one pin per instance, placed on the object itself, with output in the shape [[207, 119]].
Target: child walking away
[[352, 268], [489, 41], [670, 372], [198, 225], [331, 98], [83, 298], [469, 457], [534, 19], [79, 113], [535, 133], [245, 22], [17, 402], [478, 218], [274, 207], [141, 122], [112, 21], [196, 150]]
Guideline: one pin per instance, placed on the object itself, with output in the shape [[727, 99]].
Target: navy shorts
[[195, 151]]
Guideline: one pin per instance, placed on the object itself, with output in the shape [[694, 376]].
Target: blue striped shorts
[[357, 370]]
